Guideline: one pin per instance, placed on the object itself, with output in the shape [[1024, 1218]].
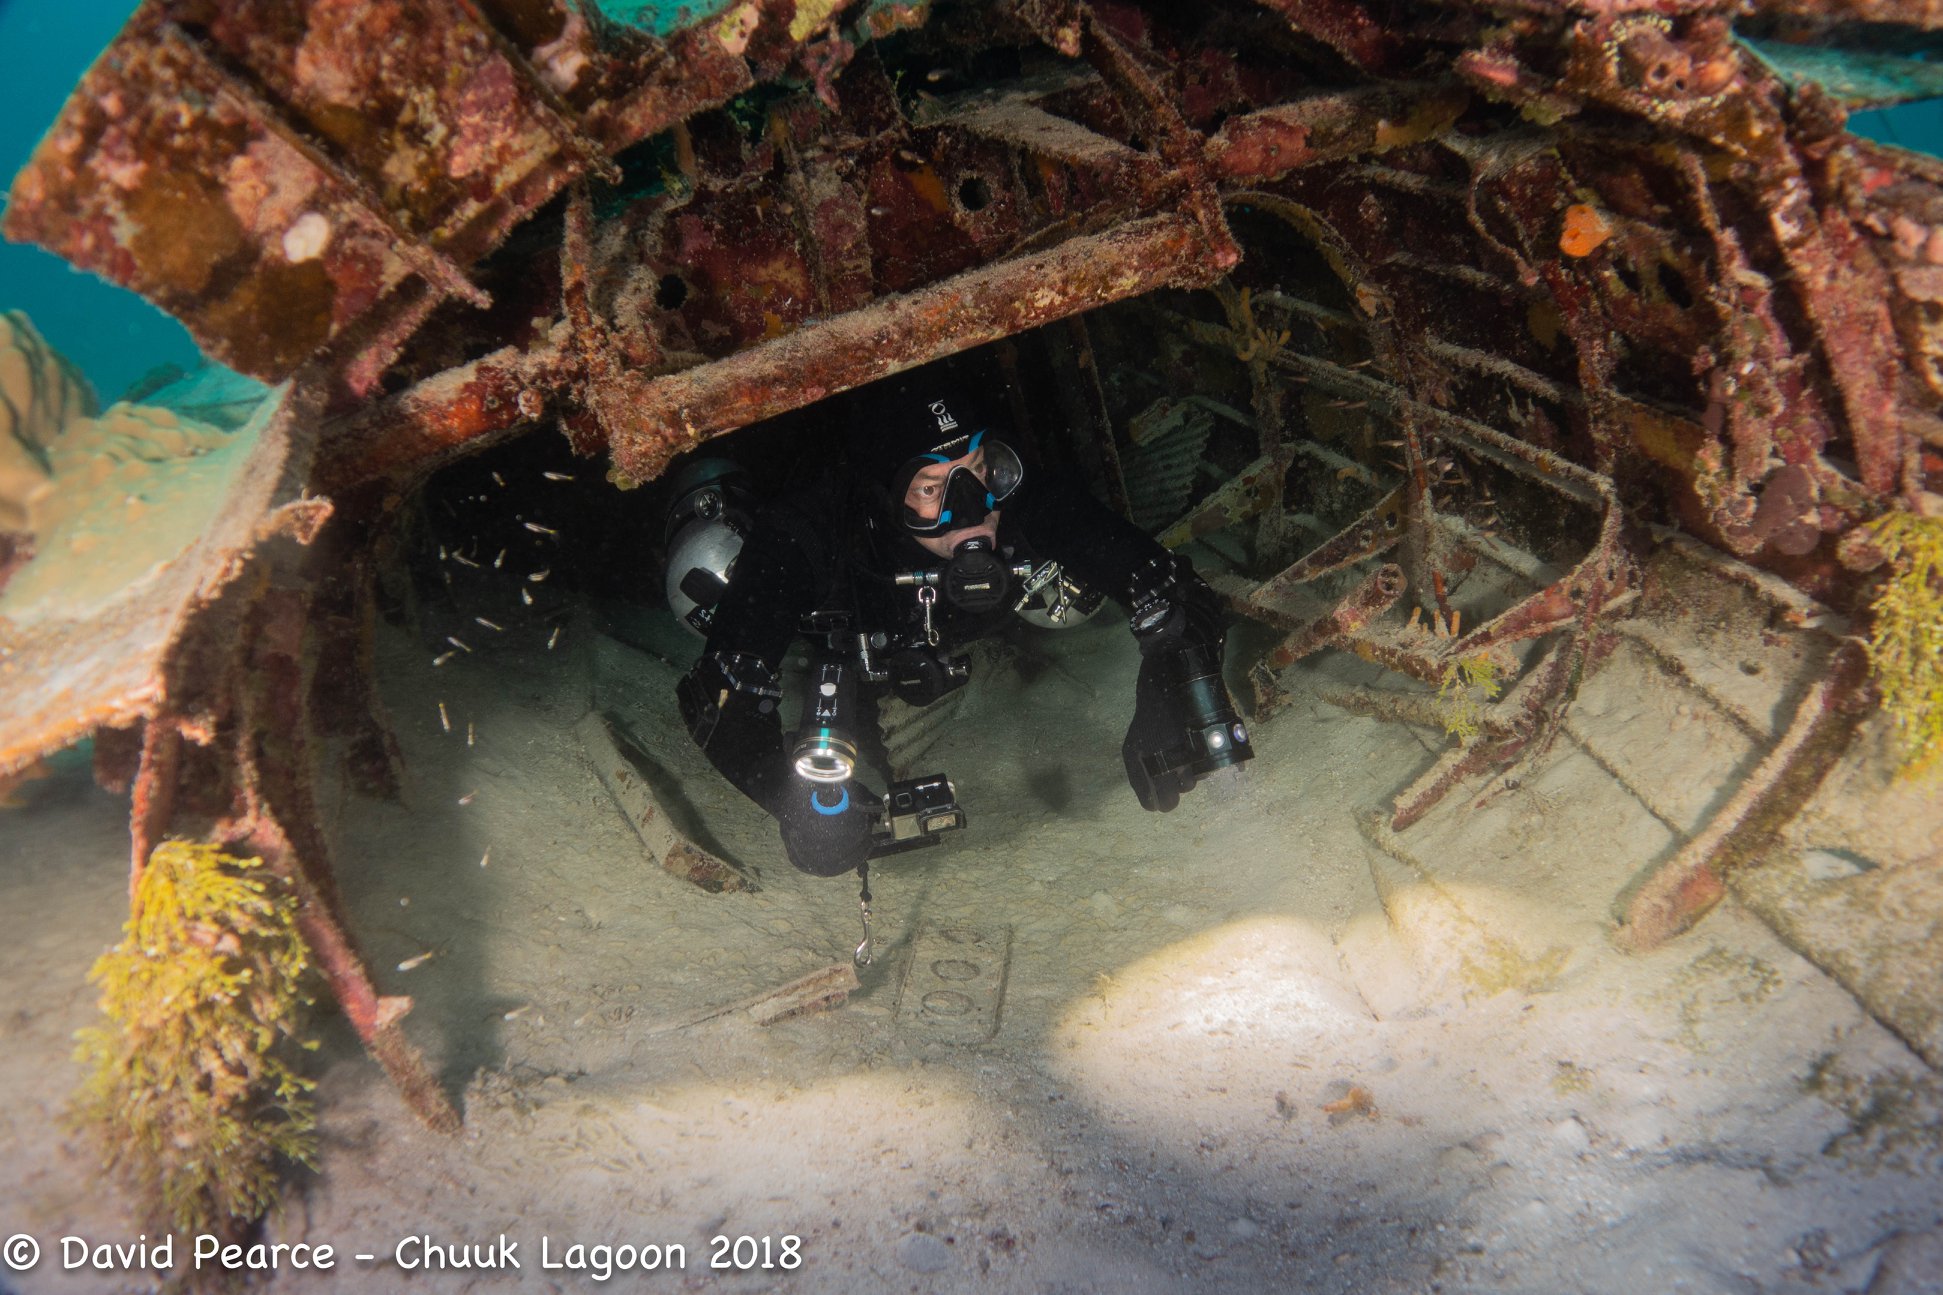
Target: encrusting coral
[[189, 1087], [1906, 642]]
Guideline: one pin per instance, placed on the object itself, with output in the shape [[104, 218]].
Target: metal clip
[[864, 954], [1047, 574], [926, 597]]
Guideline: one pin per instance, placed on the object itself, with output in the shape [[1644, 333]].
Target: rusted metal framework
[[1592, 247]]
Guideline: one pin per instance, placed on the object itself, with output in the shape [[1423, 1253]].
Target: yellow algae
[[188, 1084], [810, 14]]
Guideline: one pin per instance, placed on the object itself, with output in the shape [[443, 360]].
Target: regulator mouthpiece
[[976, 579]]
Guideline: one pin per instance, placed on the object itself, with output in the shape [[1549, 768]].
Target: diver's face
[[925, 497]]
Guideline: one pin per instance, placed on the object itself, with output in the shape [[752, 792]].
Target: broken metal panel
[[607, 741], [847, 214], [1249, 493], [73, 664], [158, 179], [287, 176]]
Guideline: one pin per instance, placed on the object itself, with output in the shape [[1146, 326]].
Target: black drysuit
[[827, 556]]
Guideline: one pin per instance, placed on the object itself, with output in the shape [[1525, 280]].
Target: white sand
[[1186, 998]]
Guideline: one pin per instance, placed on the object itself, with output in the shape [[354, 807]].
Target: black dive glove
[[826, 825], [1155, 731], [1184, 723]]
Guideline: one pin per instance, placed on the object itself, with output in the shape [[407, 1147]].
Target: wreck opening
[[1549, 390]]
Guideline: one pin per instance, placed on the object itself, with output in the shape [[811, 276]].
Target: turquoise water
[[657, 16], [1917, 126], [115, 336]]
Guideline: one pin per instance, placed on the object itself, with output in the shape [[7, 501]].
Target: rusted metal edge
[[1376, 530], [656, 417]]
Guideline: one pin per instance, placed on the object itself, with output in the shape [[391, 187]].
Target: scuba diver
[[929, 535]]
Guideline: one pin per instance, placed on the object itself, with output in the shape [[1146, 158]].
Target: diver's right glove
[[826, 825]]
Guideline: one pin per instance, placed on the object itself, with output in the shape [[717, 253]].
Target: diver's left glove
[[1184, 723], [826, 825], [1155, 768]]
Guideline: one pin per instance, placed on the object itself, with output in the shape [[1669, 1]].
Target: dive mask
[[965, 498]]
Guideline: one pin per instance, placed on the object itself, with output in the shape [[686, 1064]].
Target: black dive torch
[[1215, 737], [914, 811]]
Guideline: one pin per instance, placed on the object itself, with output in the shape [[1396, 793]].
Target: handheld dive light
[[825, 752]]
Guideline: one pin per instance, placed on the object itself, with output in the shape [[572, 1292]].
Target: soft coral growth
[[1906, 644], [188, 1085]]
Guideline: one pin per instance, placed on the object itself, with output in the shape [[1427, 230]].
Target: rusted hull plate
[[288, 175]]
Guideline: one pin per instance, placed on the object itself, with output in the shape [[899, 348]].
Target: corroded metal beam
[[457, 411], [1678, 893], [667, 415], [1271, 142]]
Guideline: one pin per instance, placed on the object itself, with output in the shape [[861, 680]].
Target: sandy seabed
[[1237, 1047]]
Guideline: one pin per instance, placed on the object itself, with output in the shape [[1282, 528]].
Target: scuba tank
[[713, 509]]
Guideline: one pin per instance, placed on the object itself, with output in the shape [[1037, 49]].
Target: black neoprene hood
[[917, 415]]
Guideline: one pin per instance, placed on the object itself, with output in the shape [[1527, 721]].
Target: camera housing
[[916, 812]]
